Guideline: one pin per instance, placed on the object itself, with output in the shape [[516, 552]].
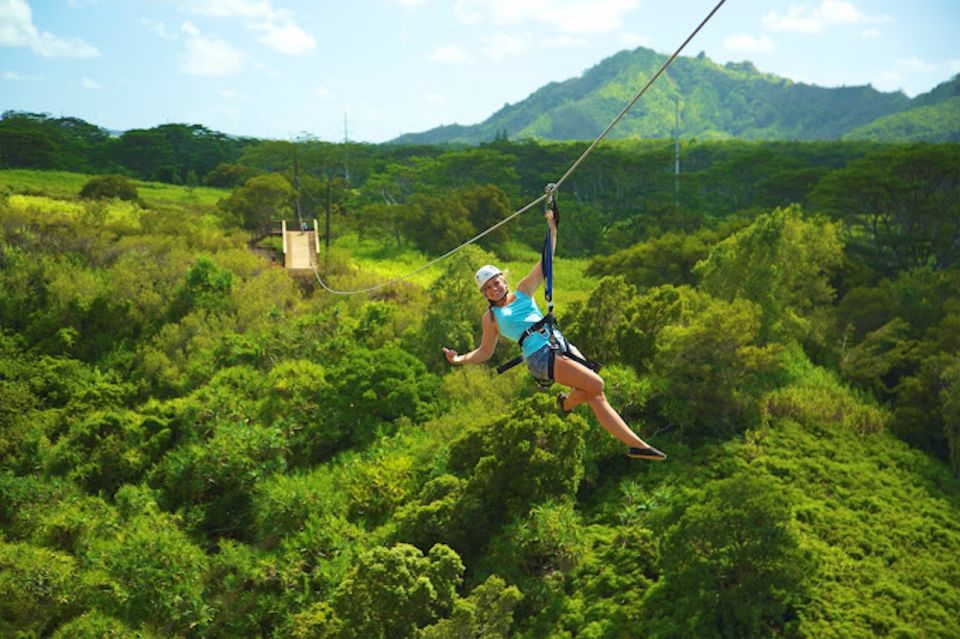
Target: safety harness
[[547, 325]]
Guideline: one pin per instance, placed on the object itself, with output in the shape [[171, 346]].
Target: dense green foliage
[[176, 153], [194, 443]]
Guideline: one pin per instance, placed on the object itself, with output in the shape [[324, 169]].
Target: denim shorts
[[539, 362]]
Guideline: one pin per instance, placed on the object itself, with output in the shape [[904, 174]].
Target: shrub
[[393, 591], [371, 388], [294, 401], [156, 572], [498, 471], [39, 589], [486, 614], [96, 625], [732, 565], [249, 592], [550, 539], [102, 451], [220, 476], [110, 186], [283, 503], [709, 369]]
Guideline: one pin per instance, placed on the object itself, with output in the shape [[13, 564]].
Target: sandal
[[561, 411], [646, 453]]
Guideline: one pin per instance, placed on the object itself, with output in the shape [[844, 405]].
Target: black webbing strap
[[516, 361], [546, 320], [546, 255], [549, 323]]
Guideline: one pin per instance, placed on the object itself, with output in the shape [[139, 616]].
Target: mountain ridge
[[733, 100]]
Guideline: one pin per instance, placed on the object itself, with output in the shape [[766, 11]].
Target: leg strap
[[502, 368]]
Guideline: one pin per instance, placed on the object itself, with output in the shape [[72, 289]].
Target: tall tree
[[905, 201], [261, 199]]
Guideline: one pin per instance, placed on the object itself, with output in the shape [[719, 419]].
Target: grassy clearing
[[64, 185], [388, 261], [381, 261]]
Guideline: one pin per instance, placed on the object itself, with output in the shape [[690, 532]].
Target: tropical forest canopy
[[195, 442]]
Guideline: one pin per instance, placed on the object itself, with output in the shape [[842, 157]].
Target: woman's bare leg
[[588, 387]]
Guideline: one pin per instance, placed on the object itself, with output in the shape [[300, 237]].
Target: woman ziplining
[[550, 358]]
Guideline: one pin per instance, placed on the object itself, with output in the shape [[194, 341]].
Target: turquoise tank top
[[516, 317]]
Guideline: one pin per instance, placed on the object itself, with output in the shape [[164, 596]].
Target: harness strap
[[516, 361], [557, 347], [534, 328], [546, 255]]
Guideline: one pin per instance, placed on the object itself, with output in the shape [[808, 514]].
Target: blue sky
[[285, 68]]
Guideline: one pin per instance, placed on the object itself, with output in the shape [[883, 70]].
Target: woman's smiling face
[[495, 288]]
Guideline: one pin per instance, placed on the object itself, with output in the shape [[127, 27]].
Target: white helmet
[[485, 273]]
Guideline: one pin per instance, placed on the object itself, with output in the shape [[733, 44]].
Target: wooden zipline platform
[[300, 248]]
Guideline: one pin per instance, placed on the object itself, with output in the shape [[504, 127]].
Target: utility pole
[[346, 141], [676, 154], [296, 185], [326, 231]]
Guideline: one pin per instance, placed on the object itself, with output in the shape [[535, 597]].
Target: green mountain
[[716, 102], [934, 117]]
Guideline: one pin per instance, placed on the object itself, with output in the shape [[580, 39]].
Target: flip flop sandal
[[646, 453], [561, 411]]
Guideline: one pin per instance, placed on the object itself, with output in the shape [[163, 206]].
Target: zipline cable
[[556, 185]]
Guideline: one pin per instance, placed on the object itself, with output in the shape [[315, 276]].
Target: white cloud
[[500, 46], [322, 92], [567, 16], [230, 8], [917, 66], [450, 54], [800, 18], [17, 77], [869, 34], [17, 30], [561, 41], [954, 65], [159, 28], [434, 98], [748, 43], [411, 3], [89, 83], [912, 72], [232, 94], [190, 29], [280, 32], [285, 37], [209, 55]]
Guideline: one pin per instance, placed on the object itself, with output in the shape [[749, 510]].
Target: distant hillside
[[934, 117], [716, 102], [936, 123]]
